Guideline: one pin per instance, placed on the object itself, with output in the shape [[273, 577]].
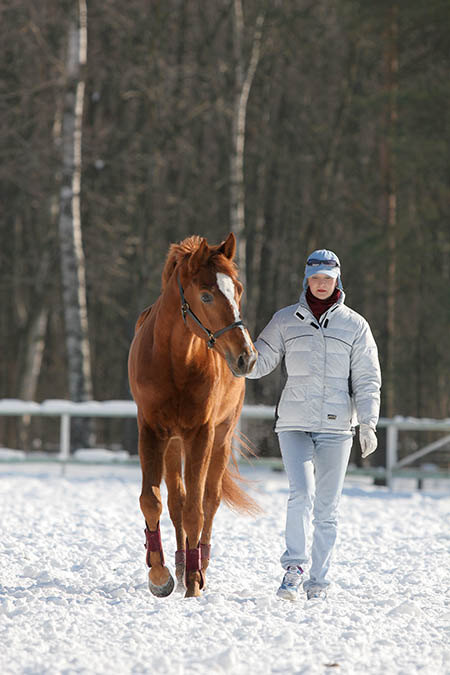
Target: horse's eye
[[206, 297]]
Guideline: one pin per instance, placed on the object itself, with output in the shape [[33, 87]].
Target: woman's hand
[[367, 440]]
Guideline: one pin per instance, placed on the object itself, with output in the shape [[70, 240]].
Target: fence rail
[[65, 410]]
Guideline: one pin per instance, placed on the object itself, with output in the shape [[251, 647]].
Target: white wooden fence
[[67, 409]]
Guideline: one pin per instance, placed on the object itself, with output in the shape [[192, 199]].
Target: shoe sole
[[287, 595], [320, 598]]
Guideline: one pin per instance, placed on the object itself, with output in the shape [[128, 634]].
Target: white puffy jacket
[[333, 373]]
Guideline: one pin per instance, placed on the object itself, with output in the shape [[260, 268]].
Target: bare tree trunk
[[243, 82], [34, 350], [72, 256], [33, 344], [31, 367], [390, 209], [253, 294]]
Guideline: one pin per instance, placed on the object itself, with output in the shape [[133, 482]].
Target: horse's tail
[[235, 497], [232, 493]]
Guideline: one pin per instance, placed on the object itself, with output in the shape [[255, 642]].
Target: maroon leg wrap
[[206, 551], [194, 562], [153, 543], [180, 557]]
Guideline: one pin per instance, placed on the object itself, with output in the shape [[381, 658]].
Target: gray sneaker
[[316, 594], [292, 581]]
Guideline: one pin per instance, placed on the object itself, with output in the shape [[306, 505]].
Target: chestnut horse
[[187, 367]]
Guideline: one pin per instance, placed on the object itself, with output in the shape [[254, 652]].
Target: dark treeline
[[346, 147]]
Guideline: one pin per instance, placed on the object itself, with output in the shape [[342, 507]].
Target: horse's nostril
[[241, 362]]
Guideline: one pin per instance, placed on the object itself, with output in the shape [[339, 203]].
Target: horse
[[187, 365]]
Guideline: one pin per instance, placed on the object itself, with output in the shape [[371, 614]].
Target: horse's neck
[[184, 349]]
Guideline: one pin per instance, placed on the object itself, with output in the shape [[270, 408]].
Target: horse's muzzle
[[243, 364]]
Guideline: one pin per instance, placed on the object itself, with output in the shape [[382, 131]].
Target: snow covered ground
[[74, 598]]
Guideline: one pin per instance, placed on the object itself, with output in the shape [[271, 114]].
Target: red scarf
[[318, 306]]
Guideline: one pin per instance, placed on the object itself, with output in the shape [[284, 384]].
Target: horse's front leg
[[213, 489], [151, 454], [175, 500], [197, 455]]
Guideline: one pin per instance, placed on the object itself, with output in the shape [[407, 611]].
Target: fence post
[[391, 452], [64, 441]]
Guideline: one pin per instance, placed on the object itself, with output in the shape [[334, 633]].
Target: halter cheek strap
[[186, 310]]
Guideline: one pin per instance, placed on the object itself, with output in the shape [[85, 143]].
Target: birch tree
[[388, 169], [243, 82], [71, 247]]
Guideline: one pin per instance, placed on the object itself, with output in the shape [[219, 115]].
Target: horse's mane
[[186, 248]]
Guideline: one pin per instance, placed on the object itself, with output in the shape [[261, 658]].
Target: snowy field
[[74, 598]]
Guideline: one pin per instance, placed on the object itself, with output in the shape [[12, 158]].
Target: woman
[[333, 382]]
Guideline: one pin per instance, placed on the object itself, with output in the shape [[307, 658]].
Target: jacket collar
[[303, 306]]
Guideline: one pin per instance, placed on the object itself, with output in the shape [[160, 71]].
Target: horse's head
[[213, 293]]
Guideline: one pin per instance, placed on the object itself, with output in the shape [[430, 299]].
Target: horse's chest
[[200, 396], [188, 404]]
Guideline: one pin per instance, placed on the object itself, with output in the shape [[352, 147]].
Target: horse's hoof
[[161, 591], [193, 590], [195, 584], [179, 573], [180, 587]]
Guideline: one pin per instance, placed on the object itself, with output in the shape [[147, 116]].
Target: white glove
[[367, 440]]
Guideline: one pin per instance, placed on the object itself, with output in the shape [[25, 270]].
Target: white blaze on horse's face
[[226, 285]]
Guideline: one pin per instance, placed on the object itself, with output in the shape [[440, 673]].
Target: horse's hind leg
[[151, 453], [175, 501]]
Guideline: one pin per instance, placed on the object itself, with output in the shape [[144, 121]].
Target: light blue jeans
[[315, 464]]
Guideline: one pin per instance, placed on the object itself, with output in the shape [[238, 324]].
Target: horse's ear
[[228, 247], [198, 258]]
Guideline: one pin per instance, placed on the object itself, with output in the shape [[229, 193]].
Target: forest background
[[297, 124]]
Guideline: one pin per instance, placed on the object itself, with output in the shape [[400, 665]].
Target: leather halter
[[185, 309]]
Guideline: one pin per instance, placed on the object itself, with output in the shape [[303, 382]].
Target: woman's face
[[321, 285]]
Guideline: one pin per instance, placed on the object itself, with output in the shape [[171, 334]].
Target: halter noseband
[[185, 309]]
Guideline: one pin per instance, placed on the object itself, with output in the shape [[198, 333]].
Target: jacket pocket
[[294, 393], [293, 405], [337, 408]]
